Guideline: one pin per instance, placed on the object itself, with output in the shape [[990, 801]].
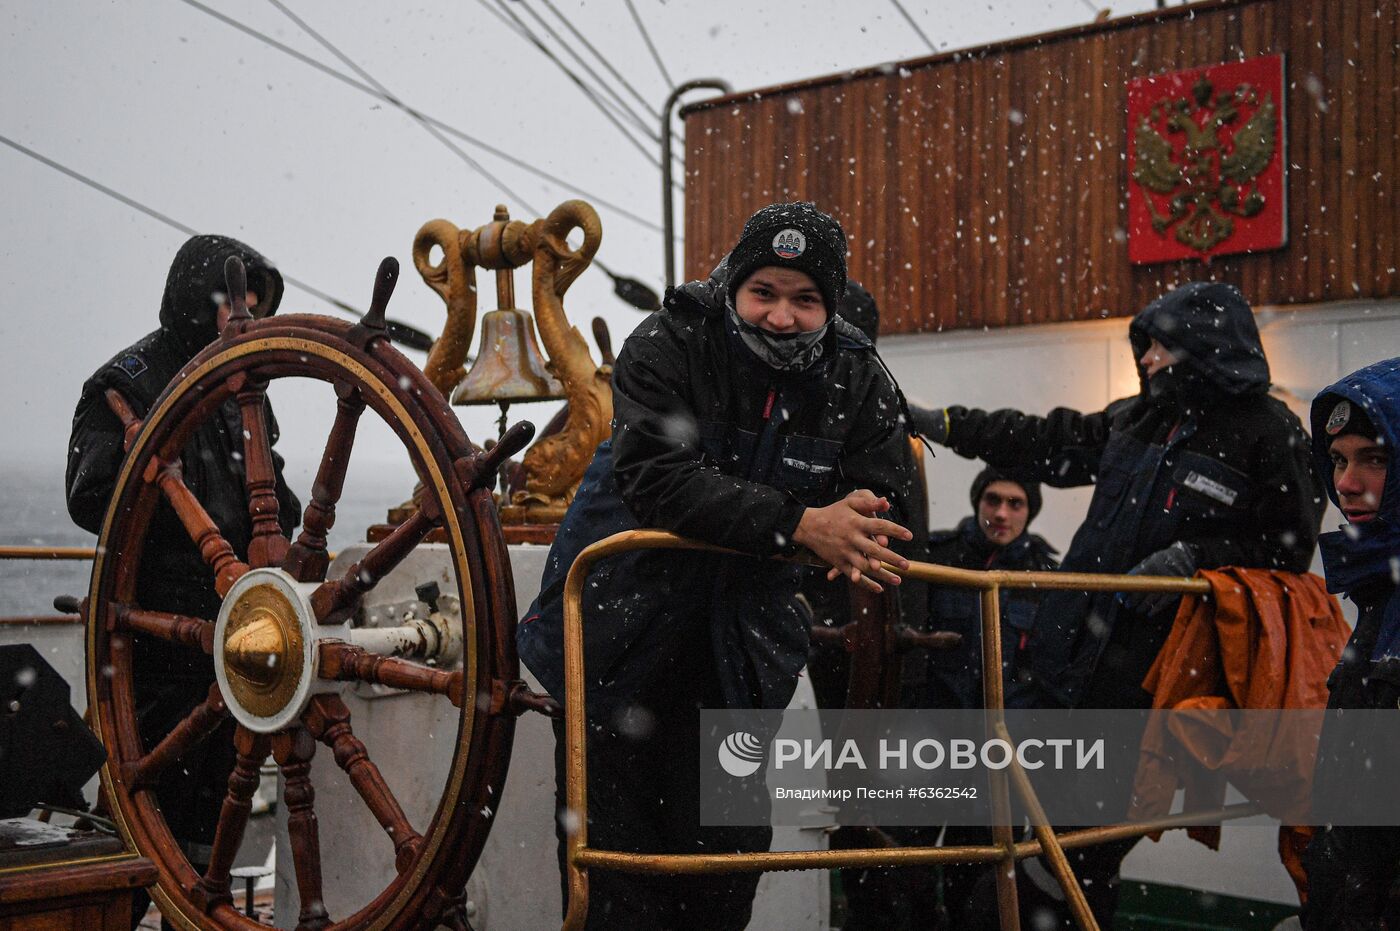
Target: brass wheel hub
[[263, 649]]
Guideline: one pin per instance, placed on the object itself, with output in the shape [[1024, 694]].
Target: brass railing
[[45, 554], [1004, 848], [50, 554]]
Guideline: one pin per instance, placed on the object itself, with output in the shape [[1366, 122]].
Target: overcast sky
[[170, 106]]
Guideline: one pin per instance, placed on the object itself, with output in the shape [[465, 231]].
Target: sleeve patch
[[133, 365]]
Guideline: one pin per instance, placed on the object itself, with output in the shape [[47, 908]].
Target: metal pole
[[668, 215], [1008, 908]]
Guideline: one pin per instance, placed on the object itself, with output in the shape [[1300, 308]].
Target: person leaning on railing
[[749, 416], [1200, 469]]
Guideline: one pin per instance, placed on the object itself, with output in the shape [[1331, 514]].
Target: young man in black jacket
[[1356, 426], [1200, 469], [996, 536], [747, 415], [170, 681]]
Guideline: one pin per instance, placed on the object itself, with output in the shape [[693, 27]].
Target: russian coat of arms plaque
[[1206, 162]]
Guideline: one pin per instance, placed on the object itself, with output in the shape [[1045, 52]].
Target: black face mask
[[1163, 387], [786, 352], [1180, 389]]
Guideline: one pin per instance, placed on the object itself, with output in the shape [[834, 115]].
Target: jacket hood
[[1210, 326], [1376, 390], [708, 295], [195, 287]]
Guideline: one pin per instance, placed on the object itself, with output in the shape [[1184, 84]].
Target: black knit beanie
[[989, 475], [798, 236]]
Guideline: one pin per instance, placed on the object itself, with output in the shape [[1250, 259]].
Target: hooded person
[[1200, 469], [746, 415], [169, 680], [1356, 429]]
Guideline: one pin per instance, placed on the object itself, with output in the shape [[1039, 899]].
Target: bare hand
[[849, 536]]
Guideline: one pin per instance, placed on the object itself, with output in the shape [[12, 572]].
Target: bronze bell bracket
[[553, 466]]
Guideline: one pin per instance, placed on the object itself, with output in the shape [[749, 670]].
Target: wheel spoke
[[348, 663], [328, 720], [214, 549], [131, 424], [267, 546], [198, 725], [306, 561], [212, 888], [332, 601], [177, 628], [293, 750]]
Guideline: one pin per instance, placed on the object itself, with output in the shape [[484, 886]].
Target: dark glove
[[930, 423], [1178, 559]]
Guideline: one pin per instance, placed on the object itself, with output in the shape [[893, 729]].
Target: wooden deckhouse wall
[[989, 188]]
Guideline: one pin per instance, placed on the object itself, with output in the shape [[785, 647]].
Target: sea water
[[33, 513]]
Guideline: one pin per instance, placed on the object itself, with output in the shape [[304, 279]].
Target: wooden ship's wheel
[[281, 645], [875, 637]]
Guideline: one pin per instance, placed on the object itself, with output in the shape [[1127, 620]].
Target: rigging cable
[[432, 130], [641, 27], [400, 332], [619, 104], [568, 24], [524, 32], [418, 114], [619, 281], [656, 114], [913, 25]]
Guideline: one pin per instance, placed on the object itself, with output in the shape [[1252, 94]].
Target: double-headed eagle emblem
[[1214, 179]]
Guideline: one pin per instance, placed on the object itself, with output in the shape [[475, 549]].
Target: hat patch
[[789, 244], [1337, 420]]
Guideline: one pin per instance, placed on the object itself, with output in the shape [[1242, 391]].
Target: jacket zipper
[[761, 469], [1171, 495]]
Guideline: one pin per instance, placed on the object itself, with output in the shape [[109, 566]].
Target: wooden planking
[[989, 187]]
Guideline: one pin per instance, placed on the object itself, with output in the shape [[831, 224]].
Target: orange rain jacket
[[1263, 639]]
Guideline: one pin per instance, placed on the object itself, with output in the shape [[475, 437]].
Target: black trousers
[[911, 897], [1350, 872], [644, 797], [191, 791]]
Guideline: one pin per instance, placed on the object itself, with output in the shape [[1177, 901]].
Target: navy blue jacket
[[1212, 461], [1360, 560], [173, 576], [1350, 869], [711, 444]]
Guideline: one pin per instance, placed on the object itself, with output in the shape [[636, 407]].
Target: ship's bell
[[509, 366]]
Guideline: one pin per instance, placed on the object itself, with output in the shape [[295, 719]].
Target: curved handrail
[[1048, 844]]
